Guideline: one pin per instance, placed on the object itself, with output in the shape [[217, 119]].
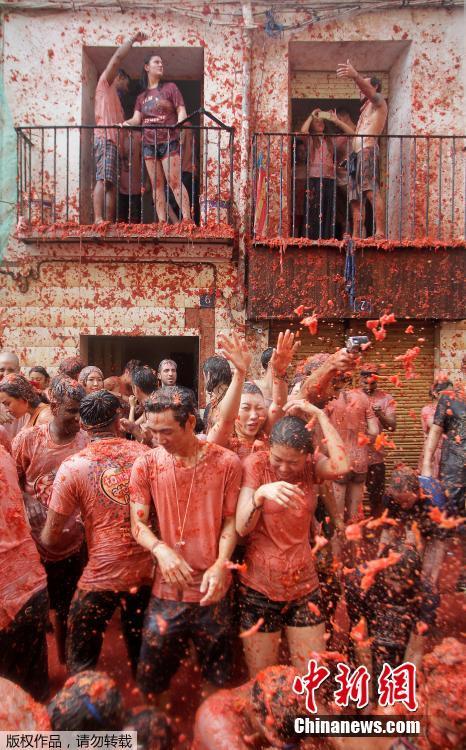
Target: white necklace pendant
[[180, 544]]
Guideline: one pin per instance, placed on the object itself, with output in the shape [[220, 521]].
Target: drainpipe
[[245, 146]]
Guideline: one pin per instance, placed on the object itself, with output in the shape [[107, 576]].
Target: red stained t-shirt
[[158, 478], [22, 575], [38, 459], [5, 439], [95, 481], [278, 552], [243, 448], [349, 414], [158, 106]]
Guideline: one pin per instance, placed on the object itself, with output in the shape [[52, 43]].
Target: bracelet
[[156, 544]]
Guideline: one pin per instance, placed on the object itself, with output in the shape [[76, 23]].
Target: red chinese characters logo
[[395, 685], [308, 683], [353, 686], [398, 686]]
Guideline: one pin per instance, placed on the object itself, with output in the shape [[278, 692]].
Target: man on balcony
[[364, 159], [108, 111]]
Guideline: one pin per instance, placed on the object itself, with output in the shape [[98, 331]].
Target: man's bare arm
[[433, 439], [117, 58], [346, 70]]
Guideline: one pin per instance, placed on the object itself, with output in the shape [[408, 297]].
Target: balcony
[[300, 192], [309, 248], [57, 176]]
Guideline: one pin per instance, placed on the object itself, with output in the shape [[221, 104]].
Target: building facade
[[148, 290]]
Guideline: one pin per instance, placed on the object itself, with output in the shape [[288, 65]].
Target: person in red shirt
[[279, 585], [107, 140], [351, 414], [243, 420], [384, 408], [118, 573], [161, 103], [38, 453], [26, 405], [194, 488], [24, 602]]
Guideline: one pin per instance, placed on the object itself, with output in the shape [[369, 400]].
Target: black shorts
[[169, 626], [161, 150], [277, 615]]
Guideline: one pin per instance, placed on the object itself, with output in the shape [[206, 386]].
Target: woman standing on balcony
[[161, 104], [319, 196]]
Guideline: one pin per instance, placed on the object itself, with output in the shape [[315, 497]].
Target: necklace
[[181, 542]]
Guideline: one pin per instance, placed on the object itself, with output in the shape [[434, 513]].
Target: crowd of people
[[235, 533]]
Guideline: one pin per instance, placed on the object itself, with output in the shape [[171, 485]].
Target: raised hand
[[236, 351], [301, 408], [346, 70], [139, 37], [284, 352]]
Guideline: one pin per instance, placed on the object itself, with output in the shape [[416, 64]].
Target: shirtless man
[[364, 175], [38, 453]]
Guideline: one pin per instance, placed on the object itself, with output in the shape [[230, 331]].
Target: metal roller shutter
[[330, 336], [413, 394]]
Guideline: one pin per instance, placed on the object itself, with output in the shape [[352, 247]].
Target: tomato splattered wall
[[45, 83]]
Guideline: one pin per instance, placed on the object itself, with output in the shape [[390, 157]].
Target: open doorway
[[182, 65], [111, 353]]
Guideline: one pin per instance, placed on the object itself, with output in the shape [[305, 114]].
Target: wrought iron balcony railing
[[402, 188]]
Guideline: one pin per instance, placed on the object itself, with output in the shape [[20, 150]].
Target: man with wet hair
[[126, 376], [268, 710], [193, 487], [38, 452], [144, 382], [118, 573], [364, 177], [70, 367], [167, 372], [398, 600]]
